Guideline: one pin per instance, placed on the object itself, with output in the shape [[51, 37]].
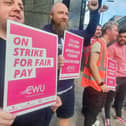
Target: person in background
[[59, 16], [98, 32], [14, 10], [117, 51], [94, 74]]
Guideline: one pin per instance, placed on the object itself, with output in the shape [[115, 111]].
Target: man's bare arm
[[94, 57]]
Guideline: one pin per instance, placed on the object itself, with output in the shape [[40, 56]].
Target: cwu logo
[[34, 89]]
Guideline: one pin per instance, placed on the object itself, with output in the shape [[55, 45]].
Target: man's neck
[[105, 38], [3, 34], [95, 37]]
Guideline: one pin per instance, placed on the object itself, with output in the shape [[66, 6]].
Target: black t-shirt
[[2, 68], [37, 118]]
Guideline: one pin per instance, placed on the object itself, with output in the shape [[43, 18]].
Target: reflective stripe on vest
[[87, 78]]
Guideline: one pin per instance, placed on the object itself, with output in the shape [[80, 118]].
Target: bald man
[[59, 16]]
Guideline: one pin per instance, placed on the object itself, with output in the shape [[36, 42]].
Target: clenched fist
[[93, 4]]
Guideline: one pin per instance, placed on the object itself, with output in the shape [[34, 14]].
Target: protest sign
[[30, 60], [72, 53], [111, 74]]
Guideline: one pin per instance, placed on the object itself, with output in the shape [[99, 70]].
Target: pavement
[[78, 118]]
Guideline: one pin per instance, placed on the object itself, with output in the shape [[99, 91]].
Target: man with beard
[[59, 23], [117, 51], [98, 32]]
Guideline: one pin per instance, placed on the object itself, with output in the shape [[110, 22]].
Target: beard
[[59, 28], [98, 35], [120, 43]]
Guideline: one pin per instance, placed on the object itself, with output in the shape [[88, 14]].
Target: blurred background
[[37, 12]]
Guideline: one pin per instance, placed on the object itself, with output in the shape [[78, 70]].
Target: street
[[78, 118]]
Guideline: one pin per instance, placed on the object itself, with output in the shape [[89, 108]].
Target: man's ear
[[50, 15], [108, 31]]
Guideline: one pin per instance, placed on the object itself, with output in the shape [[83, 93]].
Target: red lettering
[[16, 61], [16, 41], [16, 73], [23, 62], [36, 62], [29, 62], [24, 41], [22, 73], [36, 52], [16, 52], [27, 52], [22, 51], [21, 41]]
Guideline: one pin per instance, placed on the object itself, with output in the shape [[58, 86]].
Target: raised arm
[[93, 22]]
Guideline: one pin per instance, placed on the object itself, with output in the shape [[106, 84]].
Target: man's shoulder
[[96, 42], [95, 47], [100, 42], [78, 32], [47, 28], [2, 41], [113, 45]]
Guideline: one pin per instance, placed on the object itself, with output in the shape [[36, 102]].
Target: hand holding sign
[[60, 61], [57, 105], [6, 119]]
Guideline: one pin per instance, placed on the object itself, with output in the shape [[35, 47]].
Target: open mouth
[[15, 17]]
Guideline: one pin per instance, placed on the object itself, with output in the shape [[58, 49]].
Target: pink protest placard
[[30, 60], [111, 73], [72, 53]]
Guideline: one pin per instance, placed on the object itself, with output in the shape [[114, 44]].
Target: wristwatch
[[102, 83]]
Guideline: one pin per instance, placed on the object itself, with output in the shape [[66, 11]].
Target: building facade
[[37, 12]]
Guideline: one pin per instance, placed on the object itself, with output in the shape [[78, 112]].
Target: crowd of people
[[96, 94]]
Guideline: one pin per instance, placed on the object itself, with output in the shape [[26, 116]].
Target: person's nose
[[16, 7], [65, 16]]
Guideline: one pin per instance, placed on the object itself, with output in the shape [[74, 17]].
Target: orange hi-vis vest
[[87, 77]]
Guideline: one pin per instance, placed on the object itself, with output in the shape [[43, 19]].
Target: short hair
[[122, 30], [108, 25], [99, 25]]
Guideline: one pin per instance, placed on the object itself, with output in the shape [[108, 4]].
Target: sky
[[118, 8]]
